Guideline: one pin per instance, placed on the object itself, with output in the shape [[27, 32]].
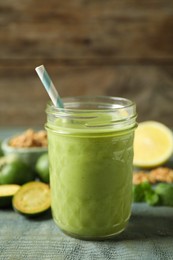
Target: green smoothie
[[90, 177]]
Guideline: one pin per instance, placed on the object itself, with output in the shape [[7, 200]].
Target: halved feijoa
[[7, 192], [32, 198]]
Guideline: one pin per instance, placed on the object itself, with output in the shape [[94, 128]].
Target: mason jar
[[90, 147]]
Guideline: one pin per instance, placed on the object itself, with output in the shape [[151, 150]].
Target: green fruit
[[6, 194], [14, 171], [42, 167], [32, 199], [1, 152], [165, 192]]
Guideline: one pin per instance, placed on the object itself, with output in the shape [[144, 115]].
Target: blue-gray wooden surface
[[149, 236]]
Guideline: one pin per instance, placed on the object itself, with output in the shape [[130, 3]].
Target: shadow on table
[[38, 217], [147, 226], [42, 217]]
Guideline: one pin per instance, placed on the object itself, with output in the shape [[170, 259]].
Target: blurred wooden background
[[89, 47]]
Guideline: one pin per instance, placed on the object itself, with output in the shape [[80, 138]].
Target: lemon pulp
[[153, 144]]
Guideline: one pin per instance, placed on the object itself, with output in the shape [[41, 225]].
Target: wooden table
[[149, 235]]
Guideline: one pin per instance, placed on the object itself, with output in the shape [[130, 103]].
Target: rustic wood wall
[[89, 47]]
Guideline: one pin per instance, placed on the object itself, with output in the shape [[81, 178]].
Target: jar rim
[[104, 103], [83, 113]]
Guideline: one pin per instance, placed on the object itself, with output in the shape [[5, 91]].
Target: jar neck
[[93, 113]]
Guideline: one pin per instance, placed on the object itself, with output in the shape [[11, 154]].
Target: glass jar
[[90, 146]]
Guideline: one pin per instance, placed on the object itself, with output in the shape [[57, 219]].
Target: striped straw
[[49, 86]]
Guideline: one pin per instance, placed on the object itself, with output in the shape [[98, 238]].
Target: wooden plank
[[120, 48], [86, 29], [23, 99]]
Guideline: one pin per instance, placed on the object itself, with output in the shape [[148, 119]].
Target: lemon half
[[153, 144]]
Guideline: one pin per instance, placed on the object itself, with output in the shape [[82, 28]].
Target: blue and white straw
[[49, 86]]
